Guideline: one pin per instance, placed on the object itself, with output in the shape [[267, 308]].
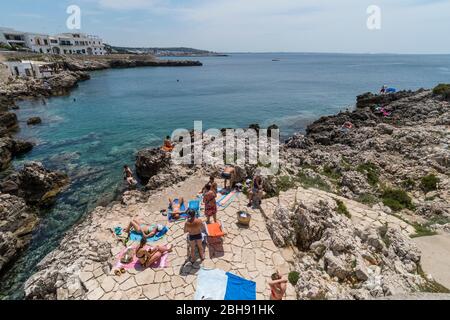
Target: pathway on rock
[[436, 257], [361, 214], [247, 252]]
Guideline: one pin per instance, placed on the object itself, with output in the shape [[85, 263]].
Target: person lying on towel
[[176, 208], [141, 227], [148, 257]]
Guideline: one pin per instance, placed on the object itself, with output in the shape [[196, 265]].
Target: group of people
[[194, 226]]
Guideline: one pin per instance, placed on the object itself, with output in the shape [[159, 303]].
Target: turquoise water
[[118, 112]]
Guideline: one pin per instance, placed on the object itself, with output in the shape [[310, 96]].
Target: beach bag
[[127, 257]]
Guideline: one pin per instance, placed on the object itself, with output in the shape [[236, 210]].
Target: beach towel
[[211, 285], [239, 288], [224, 200], [214, 229], [137, 236], [162, 263], [220, 285]]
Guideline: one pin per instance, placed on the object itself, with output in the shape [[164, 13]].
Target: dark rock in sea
[[21, 147], [8, 120], [39, 186], [9, 187], [6, 154], [150, 162], [34, 121], [18, 221]]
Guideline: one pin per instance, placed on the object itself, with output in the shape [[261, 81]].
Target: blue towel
[[239, 288], [136, 236], [194, 205]]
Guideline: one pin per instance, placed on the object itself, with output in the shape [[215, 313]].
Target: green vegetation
[[342, 208], [442, 90], [284, 183], [293, 277], [6, 46], [429, 183], [371, 172], [408, 184], [331, 173], [422, 230], [313, 182], [396, 199], [430, 285], [368, 199], [382, 231]]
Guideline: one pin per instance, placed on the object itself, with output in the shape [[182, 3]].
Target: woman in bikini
[[148, 257], [210, 204], [176, 208], [141, 227], [278, 287]]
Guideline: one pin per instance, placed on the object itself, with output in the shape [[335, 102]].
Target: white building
[[65, 43], [12, 37], [80, 43], [35, 69]]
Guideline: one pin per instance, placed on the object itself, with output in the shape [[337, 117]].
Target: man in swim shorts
[[228, 174], [194, 228]]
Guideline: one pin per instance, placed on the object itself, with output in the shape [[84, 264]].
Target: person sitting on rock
[[257, 189], [175, 207], [278, 286], [141, 227], [168, 145], [383, 89], [347, 126], [149, 257], [228, 173], [128, 176]]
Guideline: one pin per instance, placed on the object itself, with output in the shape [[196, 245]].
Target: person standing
[[278, 286], [194, 227], [228, 173], [209, 199]]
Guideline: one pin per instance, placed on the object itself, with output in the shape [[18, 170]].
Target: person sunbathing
[[148, 257], [175, 207], [168, 145], [278, 286], [141, 227]]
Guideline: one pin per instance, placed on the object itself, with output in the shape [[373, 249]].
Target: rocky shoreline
[[342, 209], [24, 193]]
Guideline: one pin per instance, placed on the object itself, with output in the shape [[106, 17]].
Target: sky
[[406, 26]]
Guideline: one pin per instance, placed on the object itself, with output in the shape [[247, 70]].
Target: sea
[[99, 127]]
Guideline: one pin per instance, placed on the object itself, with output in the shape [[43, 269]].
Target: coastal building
[[65, 43], [12, 37], [33, 69]]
